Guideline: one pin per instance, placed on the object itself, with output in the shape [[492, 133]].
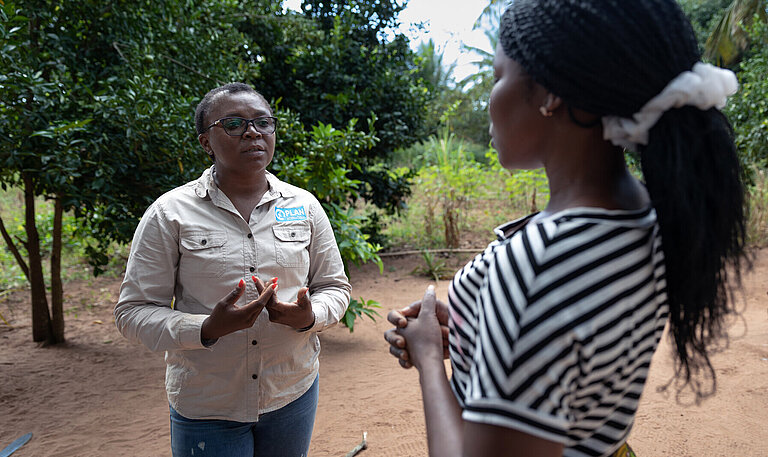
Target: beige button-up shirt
[[189, 251]]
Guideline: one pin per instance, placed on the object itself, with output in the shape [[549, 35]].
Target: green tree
[[748, 109], [341, 65], [729, 40], [96, 107], [438, 78], [703, 14], [339, 61], [470, 118], [433, 69], [88, 119]]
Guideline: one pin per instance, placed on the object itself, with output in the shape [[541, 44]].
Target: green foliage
[[75, 243], [341, 61], [462, 108], [320, 160], [757, 226], [748, 109], [123, 81], [527, 190], [730, 37], [358, 309], [704, 15], [433, 267], [432, 68], [449, 181], [97, 102], [485, 193]]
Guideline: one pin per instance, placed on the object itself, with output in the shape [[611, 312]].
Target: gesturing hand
[[227, 317], [399, 318], [297, 314], [422, 334]]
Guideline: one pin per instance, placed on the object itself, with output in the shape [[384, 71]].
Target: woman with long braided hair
[[552, 328]]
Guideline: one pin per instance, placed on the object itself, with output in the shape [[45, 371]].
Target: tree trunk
[[57, 289], [41, 319], [14, 250]]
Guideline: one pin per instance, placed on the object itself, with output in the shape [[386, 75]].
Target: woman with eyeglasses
[[232, 275], [552, 328]]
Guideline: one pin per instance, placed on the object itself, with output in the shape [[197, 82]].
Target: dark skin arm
[[447, 434], [424, 341]]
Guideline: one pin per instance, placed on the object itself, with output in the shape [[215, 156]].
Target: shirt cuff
[[190, 332]]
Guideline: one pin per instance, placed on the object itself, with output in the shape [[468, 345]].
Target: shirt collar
[[206, 187], [277, 187], [506, 230]]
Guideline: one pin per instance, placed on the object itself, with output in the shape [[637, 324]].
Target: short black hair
[[204, 107]]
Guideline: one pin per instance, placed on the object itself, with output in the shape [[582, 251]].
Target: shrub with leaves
[[450, 181], [358, 309], [748, 109]]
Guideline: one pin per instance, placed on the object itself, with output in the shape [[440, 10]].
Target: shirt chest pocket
[[203, 254], [291, 242]]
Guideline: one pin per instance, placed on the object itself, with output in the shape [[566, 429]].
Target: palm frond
[[729, 39]]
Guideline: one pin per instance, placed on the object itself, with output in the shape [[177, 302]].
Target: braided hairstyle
[[610, 57]]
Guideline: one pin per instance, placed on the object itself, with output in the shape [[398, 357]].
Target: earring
[[545, 112]]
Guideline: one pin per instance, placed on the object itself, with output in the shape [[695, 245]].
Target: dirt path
[[99, 395]]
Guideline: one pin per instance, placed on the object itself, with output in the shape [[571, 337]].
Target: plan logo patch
[[290, 214]]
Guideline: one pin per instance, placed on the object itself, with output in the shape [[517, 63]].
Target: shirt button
[[250, 235], [254, 342], [203, 242], [252, 269], [293, 234], [254, 376]]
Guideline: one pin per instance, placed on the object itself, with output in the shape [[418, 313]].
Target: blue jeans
[[282, 433]]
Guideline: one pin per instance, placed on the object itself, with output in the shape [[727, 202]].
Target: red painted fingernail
[[274, 286], [241, 284], [253, 278]]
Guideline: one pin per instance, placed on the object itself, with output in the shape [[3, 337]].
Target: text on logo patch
[[290, 214]]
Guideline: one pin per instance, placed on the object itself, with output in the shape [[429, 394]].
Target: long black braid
[[610, 57]]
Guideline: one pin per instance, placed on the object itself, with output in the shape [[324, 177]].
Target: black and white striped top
[[553, 326]]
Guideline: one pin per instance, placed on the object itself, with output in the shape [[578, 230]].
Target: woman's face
[[250, 152], [517, 126]]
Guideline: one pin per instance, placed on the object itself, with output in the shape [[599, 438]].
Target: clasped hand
[[421, 331], [227, 317]]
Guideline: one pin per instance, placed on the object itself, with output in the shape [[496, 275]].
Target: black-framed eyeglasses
[[236, 126]]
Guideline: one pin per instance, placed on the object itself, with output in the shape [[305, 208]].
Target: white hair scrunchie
[[704, 87]]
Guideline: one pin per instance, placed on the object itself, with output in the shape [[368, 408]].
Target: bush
[[456, 199], [748, 109]]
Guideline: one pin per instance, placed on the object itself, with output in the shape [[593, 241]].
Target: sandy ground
[[99, 395]]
